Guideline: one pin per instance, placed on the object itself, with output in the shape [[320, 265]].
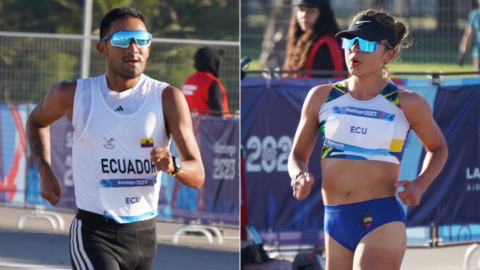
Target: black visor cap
[[368, 28], [312, 3]]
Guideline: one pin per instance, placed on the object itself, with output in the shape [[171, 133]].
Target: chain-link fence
[[31, 63], [436, 26]]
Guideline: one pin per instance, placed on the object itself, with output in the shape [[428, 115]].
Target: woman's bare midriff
[[347, 181]]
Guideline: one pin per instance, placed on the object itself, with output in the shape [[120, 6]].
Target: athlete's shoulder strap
[[338, 90], [391, 94]]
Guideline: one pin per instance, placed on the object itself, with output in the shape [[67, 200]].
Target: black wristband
[[298, 174], [295, 178], [177, 165]]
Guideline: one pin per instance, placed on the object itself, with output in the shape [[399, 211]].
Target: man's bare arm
[[57, 103], [179, 123]]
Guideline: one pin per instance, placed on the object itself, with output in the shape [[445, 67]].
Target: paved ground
[[443, 258], [38, 246]]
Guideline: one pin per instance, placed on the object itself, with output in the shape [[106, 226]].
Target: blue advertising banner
[[270, 117], [13, 143], [218, 199], [454, 196], [61, 136], [459, 233]]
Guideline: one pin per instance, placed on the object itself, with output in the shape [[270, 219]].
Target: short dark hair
[[119, 13]]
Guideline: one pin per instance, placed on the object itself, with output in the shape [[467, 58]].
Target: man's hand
[[162, 158], [302, 186], [49, 185], [412, 193]]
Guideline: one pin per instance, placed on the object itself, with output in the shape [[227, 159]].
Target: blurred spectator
[[203, 90], [472, 29], [311, 42]]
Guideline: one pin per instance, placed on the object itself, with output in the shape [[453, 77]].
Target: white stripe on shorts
[[80, 245], [72, 243]]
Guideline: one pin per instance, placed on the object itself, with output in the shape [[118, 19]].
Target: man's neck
[[120, 84]]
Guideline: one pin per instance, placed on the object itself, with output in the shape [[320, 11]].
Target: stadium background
[[437, 27], [270, 109], [30, 64], [42, 42]]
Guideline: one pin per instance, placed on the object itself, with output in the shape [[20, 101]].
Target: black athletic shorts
[[102, 244]]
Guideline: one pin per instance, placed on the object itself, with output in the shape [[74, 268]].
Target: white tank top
[[112, 172], [373, 129]]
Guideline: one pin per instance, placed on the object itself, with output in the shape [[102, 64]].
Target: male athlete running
[[123, 122]]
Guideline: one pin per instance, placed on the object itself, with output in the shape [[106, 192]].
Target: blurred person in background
[[123, 123], [203, 90], [363, 122], [311, 43], [472, 30]]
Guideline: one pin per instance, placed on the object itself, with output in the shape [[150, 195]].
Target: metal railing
[[30, 63], [436, 77]]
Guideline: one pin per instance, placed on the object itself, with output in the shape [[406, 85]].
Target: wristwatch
[[177, 165]]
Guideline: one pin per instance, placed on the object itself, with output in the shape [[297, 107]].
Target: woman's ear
[[389, 55]]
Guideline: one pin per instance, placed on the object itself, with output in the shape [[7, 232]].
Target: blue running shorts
[[349, 223]]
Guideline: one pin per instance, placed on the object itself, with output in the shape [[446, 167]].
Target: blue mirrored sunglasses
[[123, 38], [364, 45]]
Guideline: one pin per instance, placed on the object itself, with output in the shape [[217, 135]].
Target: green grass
[[405, 67], [254, 65]]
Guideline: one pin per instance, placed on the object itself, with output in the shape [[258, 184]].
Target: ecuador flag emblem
[[146, 143], [367, 221]]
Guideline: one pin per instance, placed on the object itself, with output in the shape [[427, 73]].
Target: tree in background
[[41, 16], [29, 66], [186, 19]]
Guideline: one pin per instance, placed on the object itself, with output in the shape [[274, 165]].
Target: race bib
[[129, 200], [360, 130]]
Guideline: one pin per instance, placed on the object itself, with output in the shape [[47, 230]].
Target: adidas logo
[[119, 109]]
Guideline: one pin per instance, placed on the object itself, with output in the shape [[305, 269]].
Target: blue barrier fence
[[270, 113], [217, 201]]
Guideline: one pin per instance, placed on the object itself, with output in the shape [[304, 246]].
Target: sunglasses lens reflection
[[364, 45], [123, 38]]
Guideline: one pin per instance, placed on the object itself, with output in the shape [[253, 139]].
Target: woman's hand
[[412, 194], [419, 114], [302, 186]]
